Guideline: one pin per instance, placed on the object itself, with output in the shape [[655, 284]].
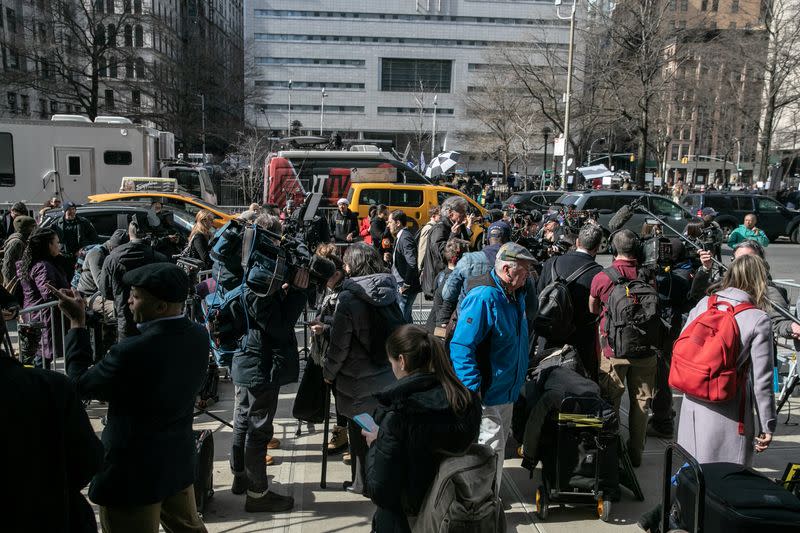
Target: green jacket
[[742, 234]]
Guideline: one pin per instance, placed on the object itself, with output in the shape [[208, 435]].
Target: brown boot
[[338, 440]]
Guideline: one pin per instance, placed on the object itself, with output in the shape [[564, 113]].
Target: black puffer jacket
[[416, 425]]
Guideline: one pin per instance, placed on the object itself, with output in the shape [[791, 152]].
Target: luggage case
[[726, 498], [203, 469]]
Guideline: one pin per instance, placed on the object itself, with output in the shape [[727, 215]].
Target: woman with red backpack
[[723, 362]]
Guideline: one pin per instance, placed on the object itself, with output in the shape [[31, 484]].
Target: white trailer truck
[[72, 157]]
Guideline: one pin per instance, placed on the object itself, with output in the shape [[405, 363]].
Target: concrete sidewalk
[[298, 468]]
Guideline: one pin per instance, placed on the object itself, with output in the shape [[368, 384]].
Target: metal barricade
[[792, 290]]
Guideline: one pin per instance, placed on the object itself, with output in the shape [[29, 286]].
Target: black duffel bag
[[309, 403]]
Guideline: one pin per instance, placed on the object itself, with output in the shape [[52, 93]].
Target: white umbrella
[[442, 164]]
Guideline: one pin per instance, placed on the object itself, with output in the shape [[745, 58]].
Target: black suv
[[773, 218], [532, 200], [607, 203], [108, 217]]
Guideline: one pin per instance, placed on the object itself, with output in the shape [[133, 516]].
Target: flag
[[422, 165]]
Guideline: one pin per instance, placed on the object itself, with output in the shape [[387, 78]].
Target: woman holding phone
[[425, 414]]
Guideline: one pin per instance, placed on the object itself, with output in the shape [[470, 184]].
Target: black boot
[[651, 520], [267, 502]]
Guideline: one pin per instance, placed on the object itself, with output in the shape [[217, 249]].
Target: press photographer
[[253, 320], [148, 473]]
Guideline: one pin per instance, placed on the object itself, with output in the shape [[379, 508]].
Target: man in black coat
[[454, 224], [51, 451], [583, 339], [7, 220], [345, 223], [404, 263], [74, 231], [150, 382], [125, 258]]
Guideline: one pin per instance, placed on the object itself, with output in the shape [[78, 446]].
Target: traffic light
[[684, 160], [633, 158]]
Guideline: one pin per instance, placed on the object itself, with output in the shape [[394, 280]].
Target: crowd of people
[[433, 390]]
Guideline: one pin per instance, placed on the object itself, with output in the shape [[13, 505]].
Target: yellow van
[[413, 199]]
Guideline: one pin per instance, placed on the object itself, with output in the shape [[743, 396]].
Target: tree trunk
[[641, 151]]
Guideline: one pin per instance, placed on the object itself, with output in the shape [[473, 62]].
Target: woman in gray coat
[[710, 431], [358, 374]]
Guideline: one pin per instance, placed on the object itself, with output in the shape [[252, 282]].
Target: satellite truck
[[72, 157]]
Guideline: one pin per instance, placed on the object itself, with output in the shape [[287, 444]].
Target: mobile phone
[[366, 422]]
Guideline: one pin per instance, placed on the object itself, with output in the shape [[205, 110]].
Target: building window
[[704, 5], [126, 6], [112, 68], [735, 6], [117, 157], [140, 68], [136, 98], [428, 75], [26, 104], [128, 35], [413, 110], [138, 36], [11, 98], [98, 6], [109, 100], [102, 68], [673, 156], [100, 35], [137, 7], [110, 7], [714, 5], [53, 107], [7, 178], [42, 108], [112, 36], [11, 20], [129, 68]]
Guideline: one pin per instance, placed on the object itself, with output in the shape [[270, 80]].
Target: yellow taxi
[[190, 204]]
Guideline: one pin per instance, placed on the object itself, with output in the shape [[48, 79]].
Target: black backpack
[[633, 327], [555, 318]]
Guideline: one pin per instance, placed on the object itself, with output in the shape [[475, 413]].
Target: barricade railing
[[792, 290]]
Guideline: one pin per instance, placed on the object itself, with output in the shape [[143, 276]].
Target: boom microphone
[[620, 218]]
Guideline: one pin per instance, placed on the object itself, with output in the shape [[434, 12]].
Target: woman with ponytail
[[426, 414]]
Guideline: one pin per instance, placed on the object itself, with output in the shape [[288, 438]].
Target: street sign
[[558, 146]]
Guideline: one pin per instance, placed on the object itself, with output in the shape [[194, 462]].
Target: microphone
[[620, 218]]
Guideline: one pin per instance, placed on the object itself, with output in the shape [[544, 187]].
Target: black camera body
[[656, 251]]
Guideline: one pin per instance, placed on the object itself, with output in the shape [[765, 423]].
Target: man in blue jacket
[[489, 349]]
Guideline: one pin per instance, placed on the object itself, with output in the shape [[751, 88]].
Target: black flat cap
[[165, 281]]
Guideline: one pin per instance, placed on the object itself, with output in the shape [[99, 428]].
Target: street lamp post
[[433, 132], [546, 133], [289, 124], [568, 96], [322, 110], [591, 146], [203, 122]]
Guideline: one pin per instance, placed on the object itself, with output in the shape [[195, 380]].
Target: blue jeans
[[406, 301]]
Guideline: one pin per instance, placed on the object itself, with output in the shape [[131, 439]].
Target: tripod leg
[[326, 427], [788, 389]]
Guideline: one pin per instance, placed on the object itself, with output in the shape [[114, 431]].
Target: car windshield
[[182, 218], [568, 199]]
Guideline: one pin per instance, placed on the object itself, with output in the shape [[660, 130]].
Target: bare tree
[[69, 49], [251, 148]]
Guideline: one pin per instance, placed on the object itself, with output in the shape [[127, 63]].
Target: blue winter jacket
[[488, 311]]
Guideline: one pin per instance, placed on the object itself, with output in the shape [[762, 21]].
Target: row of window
[[128, 6], [409, 17], [427, 75], [20, 104], [310, 108], [134, 68], [315, 108], [309, 84], [414, 110], [309, 61], [133, 36], [419, 41]]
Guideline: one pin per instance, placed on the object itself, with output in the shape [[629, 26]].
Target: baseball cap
[[499, 230], [512, 251], [68, 205], [708, 212]]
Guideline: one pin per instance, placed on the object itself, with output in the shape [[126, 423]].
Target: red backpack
[[704, 356]]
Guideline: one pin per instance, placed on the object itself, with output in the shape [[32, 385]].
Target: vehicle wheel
[[541, 503], [795, 235], [727, 228], [603, 510]]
